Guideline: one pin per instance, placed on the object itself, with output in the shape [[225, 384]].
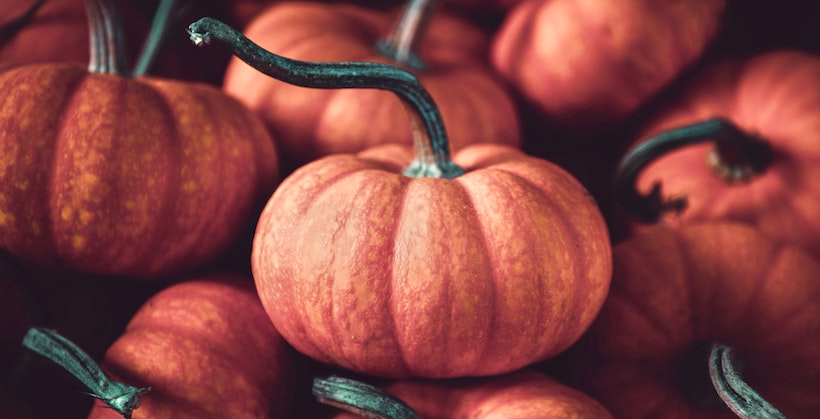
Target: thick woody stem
[[429, 135], [360, 398], [48, 343], [736, 393], [738, 157], [107, 41], [402, 43]]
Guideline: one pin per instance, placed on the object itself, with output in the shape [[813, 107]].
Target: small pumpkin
[[398, 263], [124, 176], [308, 123], [201, 348], [518, 395], [674, 290], [587, 65], [740, 142]]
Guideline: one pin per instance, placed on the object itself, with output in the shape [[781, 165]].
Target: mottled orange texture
[[206, 349], [360, 266], [140, 177]]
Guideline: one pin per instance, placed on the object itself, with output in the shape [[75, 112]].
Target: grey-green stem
[[737, 157], [360, 398], [156, 37], [429, 135], [741, 399], [401, 45], [118, 396], [107, 41]]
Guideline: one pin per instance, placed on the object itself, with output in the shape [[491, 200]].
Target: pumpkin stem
[[429, 135], [159, 30], [402, 42], [360, 398], [738, 157], [106, 37], [48, 343], [10, 28], [738, 396]]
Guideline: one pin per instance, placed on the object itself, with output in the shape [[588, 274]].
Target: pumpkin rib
[[391, 298]]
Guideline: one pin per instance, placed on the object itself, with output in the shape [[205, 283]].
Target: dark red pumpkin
[[772, 97], [519, 395], [589, 64], [308, 124], [122, 176], [206, 349], [674, 290]]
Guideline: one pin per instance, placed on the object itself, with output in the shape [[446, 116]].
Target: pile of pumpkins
[[623, 186]]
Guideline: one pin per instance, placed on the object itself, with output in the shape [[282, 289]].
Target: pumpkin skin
[[311, 123], [519, 395], [775, 96], [362, 267], [705, 282], [139, 177], [589, 64], [206, 349]]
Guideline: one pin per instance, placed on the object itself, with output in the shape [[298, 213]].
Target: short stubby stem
[[741, 399], [48, 343], [737, 157], [360, 398], [401, 44], [107, 41], [429, 135]]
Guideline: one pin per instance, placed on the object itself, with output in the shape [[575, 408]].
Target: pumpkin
[[521, 394], [201, 348], [740, 142], [674, 290], [398, 263], [587, 65], [124, 176], [476, 105]]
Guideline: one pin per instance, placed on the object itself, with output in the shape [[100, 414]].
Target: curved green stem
[[159, 31], [10, 29], [106, 37], [48, 343], [738, 396], [737, 158], [432, 148], [360, 398], [402, 43]]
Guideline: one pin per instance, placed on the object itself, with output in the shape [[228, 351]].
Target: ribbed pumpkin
[[771, 102], [205, 349], [114, 175], [398, 261], [523, 394], [674, 290], [588, 64], [475, 104]]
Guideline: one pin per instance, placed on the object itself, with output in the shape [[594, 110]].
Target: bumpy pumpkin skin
[[588, 64], [520, 395], [207, 350], [703, 283], [362, 267], [775, 96], [475, 104], [138, 177]]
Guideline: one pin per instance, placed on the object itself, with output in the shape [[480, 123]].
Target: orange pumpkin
[[748, 150], [308, 124], [113, 175], [588, 64], [674, 290], [400, 263], [522, 394]]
